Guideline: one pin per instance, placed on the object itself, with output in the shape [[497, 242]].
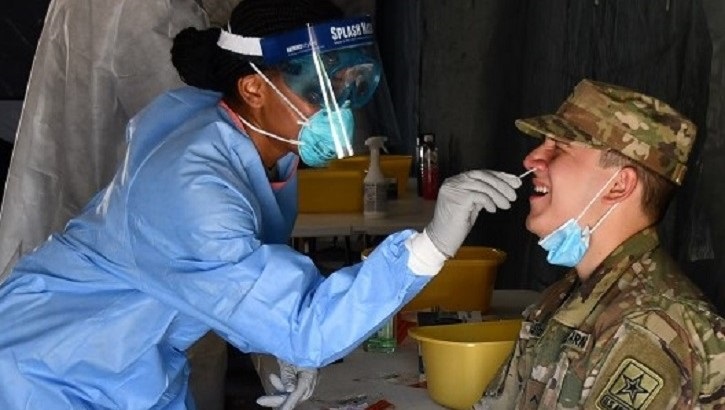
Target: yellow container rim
[[425, 333]]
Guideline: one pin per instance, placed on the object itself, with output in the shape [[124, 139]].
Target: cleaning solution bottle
[[375, 185]]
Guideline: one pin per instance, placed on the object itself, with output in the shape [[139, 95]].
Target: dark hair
[[657, 191], [201, 63]]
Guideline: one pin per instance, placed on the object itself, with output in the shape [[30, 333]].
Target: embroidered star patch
[[632, 387]]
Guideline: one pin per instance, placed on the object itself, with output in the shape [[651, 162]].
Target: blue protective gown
[[189, 236]]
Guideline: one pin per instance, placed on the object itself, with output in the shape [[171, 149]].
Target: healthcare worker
[[190, 235]]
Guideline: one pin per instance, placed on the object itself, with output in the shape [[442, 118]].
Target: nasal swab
[[527, 172]]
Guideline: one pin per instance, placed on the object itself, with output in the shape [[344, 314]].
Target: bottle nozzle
[[377, 142]]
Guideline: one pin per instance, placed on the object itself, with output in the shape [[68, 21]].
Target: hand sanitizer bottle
[[375, 185]]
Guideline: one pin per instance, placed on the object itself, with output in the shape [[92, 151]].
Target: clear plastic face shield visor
[[333, 65]]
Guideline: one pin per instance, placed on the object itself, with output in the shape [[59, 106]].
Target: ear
[[251, 90], [624, 186]]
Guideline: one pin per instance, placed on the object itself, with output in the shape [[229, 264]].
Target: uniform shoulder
[[655, 281], [654, 297]]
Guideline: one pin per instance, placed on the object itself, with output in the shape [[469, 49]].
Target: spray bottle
[[375, 186]]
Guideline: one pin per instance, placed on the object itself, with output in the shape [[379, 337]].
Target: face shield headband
[[335, 60]]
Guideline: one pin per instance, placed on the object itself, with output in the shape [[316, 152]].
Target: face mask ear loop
[[596, 196], [269, 134], [606, 214], [587, 231], [323, 87], [282, 96]]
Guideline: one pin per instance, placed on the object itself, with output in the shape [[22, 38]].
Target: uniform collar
[[585, 298]]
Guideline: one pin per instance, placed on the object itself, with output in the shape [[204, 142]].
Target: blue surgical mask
[[324, 136], [317, 138], [569, 242]]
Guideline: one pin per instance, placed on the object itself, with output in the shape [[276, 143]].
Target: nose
[[540, 156]]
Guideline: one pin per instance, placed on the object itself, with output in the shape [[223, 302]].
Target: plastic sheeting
[[98, 62]]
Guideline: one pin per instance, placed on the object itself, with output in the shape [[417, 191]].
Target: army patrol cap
[[608, 117]]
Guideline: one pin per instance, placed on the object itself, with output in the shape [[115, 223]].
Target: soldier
[[624, 329]]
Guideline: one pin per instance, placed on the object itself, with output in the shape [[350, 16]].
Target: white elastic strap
[[594, 199], [606, 214], [321, 73], [269, 134], [274, 87], [248, 46], [424, 258]]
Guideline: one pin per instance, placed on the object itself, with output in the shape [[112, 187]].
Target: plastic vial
[[383, 340]]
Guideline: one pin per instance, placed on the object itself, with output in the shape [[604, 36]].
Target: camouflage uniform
[[637, 333]]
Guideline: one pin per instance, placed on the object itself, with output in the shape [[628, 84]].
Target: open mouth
[[539, 191]]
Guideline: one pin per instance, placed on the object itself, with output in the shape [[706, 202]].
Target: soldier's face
[[567, 177]]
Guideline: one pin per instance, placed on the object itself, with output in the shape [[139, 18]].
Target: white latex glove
[[460, 199], [293, 385]]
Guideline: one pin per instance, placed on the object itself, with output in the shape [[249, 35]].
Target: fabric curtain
[[484, 65]]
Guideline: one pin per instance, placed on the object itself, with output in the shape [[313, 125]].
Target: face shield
[[333, 65], [336, 60]]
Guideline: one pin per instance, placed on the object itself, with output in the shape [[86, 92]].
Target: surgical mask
[[567, 245], [324, 136]]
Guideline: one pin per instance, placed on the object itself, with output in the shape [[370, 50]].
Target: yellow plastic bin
[[465, 282], [393, 166], [460, 360], [329, 191]]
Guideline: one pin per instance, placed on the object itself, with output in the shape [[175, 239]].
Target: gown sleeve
[[194, 226]]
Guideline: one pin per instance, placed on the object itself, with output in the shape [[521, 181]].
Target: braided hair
[[203, 64]]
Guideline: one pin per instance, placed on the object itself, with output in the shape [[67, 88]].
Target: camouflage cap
[[605, 116]]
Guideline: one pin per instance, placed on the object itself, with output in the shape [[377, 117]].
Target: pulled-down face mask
[[332, 65], [568, 243]]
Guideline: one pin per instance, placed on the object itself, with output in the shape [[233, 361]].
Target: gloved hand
[[460, 199], [294, 385]]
